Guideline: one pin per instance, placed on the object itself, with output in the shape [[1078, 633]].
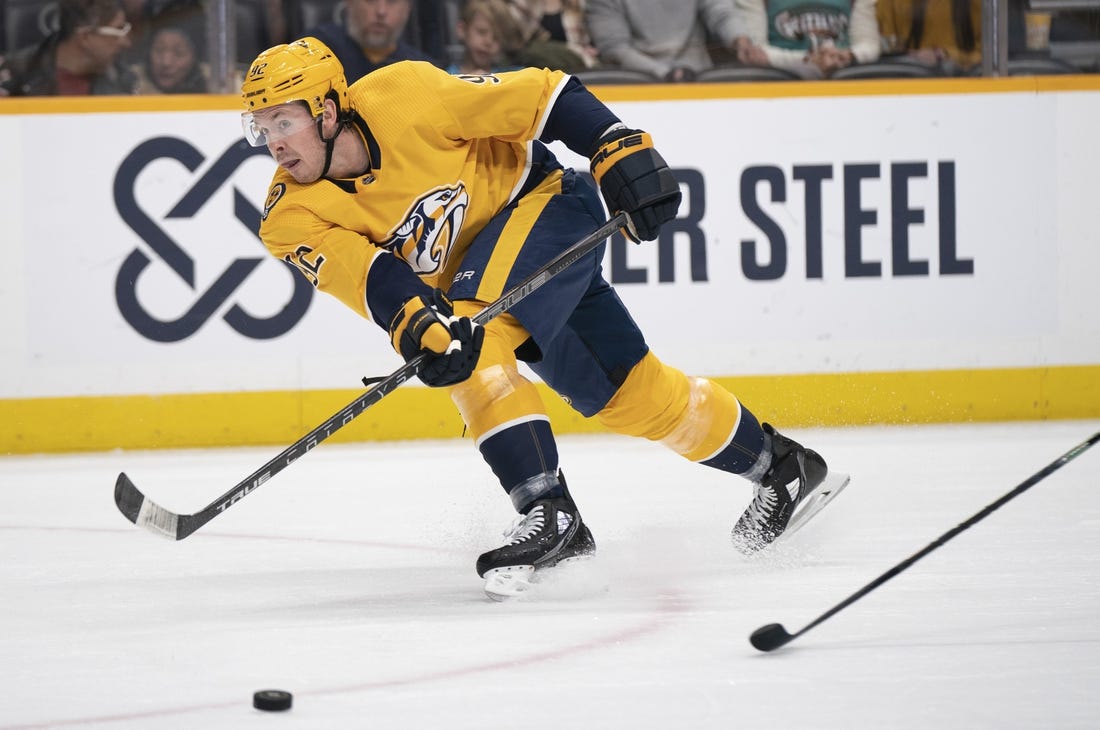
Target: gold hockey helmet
[[305, 70]]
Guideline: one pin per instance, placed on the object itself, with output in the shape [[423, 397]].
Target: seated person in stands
[[942, 35], [174, 58], [812, 38], [370, 37], [80, 58], [665, 39], [482, 28], [552, 35]]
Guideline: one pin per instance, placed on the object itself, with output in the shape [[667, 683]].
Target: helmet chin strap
[[330, 142], [343, 121]]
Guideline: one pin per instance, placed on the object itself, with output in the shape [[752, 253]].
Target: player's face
[[291, 137]]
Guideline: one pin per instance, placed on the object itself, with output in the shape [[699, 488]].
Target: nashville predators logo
[[431, 228], [278, 190]]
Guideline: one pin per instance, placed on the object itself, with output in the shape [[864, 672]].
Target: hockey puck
[[272, 700]]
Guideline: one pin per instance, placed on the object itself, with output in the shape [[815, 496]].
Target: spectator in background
[[552, 35], [430, 29], [665, 39], [174, 58], [481, 28], [942, 34], [371, 37], [275, 17], [811, 38], [264, 25], [137, 13], [80, 58]]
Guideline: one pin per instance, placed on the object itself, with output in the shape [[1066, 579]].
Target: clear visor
[[272, 124]]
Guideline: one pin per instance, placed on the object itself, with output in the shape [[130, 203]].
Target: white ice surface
[[348, 580]]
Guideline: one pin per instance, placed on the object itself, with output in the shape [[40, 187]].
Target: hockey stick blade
[[772, 636], [145, 513], [141, 511]]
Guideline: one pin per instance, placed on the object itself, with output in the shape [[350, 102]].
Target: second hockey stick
[[773, 636], [143, 512]]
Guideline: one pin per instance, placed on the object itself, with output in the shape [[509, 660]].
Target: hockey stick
[[773, 636], [143, 512]]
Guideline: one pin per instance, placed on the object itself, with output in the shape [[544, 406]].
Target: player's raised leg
[[705, 423]]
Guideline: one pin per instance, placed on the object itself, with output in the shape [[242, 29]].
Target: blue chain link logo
[[170, 253]]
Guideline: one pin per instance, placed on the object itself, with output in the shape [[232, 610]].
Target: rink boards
[[856, 252]]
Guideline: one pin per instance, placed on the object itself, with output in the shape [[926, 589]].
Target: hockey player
[[417, 197]]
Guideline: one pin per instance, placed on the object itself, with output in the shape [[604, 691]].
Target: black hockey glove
[[428, 325], [634, 179]]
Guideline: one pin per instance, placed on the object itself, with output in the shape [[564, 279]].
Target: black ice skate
[[552, 532], [796, 486]]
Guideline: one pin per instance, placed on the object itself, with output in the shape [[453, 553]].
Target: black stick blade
[[144, 512], [772, 636], [128, 498]]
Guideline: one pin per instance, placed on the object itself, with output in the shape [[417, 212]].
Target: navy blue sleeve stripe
[[577, 119], [391, 283]]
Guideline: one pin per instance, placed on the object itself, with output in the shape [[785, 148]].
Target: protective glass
[[272, 124]]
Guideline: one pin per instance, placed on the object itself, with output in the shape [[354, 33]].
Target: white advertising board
[[867, 234], [818, 234]]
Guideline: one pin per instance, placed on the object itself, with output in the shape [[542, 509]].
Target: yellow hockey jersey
[[447, 154]]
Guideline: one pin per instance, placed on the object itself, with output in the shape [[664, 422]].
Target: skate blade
[[815, 501], [521, 582], [509, 584]]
